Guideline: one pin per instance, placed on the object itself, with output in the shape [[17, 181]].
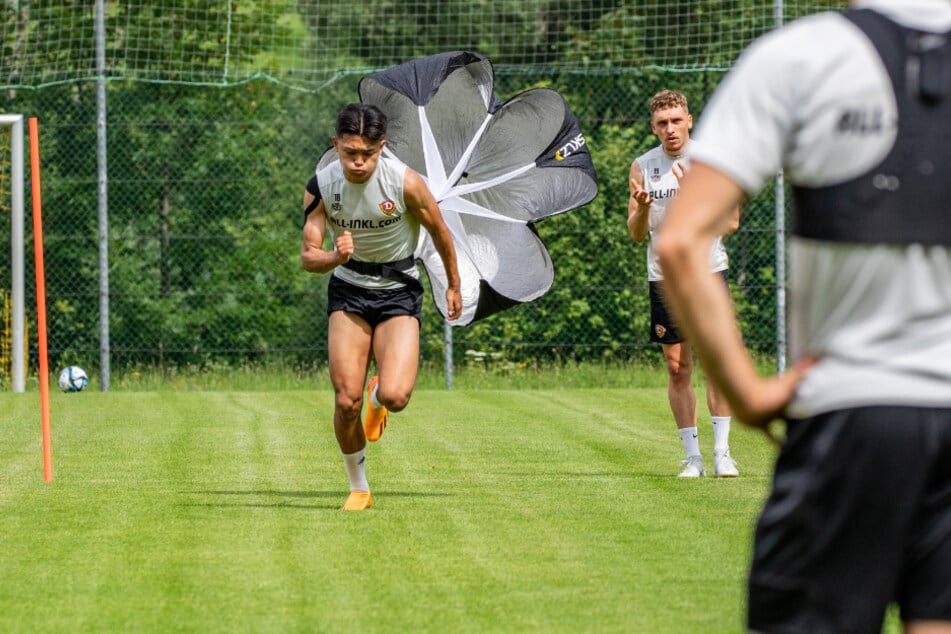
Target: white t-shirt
[[662, 184], [375, 215], [877, 316]]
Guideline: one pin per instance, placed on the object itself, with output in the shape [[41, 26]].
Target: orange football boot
[[358, 501], [375, 420]]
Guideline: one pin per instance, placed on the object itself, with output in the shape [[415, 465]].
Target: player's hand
[[344, 247], [679, 170], [453, 303], [641, 195]]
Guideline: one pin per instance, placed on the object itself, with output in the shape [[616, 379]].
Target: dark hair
[[362, 120]]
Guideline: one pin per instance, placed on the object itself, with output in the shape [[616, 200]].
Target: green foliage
[[598, 308], [205, 184]]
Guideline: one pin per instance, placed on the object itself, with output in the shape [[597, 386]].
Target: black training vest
[[907, 198]]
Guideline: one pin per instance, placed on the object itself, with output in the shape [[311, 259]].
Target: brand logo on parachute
[[570, 148], [388, 207]]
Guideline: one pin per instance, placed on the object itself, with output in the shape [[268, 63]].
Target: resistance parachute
[[494, 168]]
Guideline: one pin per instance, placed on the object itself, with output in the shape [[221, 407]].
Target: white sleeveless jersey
[[375, 215], [659, 179], [877, 316]]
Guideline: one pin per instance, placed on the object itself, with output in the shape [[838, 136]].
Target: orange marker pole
[[41, 301]]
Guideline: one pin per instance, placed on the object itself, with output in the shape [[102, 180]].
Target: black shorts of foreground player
[[372, 207]]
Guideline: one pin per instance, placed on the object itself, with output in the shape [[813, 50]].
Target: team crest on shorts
[[387, 207], [660, 331]]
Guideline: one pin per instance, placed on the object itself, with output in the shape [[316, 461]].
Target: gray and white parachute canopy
[[495, 169]]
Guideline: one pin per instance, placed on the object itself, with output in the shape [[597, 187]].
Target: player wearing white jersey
[[856, 108], [376, 217], [374, 208], [654, 181]]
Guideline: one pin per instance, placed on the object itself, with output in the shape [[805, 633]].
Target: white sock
[[688, 436], [373, 399], [356, 470], [721, 434]]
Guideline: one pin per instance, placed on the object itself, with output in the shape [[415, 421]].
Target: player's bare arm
[[313, 257], [422, 204], [705, 204], [638, 205]]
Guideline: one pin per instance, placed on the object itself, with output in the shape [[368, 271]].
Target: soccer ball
[[73, 379]]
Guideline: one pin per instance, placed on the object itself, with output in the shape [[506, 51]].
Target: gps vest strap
[[314, 189], [907, 197], [393, 271]]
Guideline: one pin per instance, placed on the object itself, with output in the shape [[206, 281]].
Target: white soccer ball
[[73, 379]]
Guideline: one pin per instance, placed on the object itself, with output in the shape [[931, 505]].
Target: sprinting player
[[856, 108], [654, 180], [373, 207]]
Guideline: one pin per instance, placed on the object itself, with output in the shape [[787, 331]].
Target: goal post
[[14, 124]]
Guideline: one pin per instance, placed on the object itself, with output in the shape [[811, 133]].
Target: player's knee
[[678, 372], [349, 404], [394, 401]]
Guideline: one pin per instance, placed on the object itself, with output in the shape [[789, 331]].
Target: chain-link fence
[[204, 194], [204, 213]]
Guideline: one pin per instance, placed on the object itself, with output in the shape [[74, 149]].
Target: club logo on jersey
[[660, 331], [388, 207], [655, 174], [336, 206]]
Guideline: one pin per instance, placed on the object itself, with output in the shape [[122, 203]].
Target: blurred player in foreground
[[857, 110], [373, 207]]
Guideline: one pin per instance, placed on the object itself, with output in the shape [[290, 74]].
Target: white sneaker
[[724, 466], [693, 467]]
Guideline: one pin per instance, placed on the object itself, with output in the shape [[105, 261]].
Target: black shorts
[[374, 305], [663, 326], [859, 516]]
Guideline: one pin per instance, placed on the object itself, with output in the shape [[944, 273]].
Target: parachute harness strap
[[394, 271]]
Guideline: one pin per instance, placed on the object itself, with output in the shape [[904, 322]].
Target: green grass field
[[494, 511]]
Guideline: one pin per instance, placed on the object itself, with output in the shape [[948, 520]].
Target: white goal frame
[[18, 321]]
